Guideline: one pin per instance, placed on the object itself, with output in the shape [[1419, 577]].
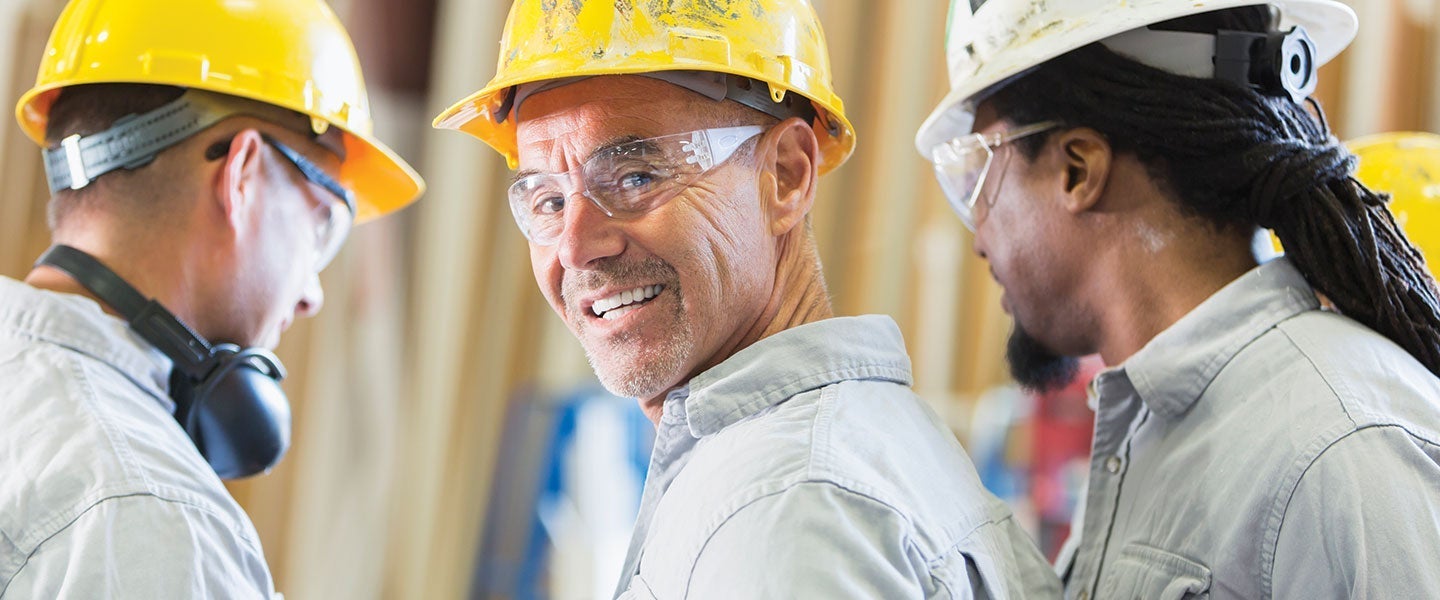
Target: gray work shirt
[[102, 495], [1262, 448], [804, 466]]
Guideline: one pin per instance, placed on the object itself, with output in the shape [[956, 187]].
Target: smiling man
[[665, 194], [200, 182]]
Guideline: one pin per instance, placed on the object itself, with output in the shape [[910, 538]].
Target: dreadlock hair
[[1237, 158]]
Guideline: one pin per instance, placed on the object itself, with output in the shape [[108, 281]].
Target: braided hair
[[1239, 159]]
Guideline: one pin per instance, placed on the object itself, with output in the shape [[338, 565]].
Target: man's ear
[[239, 178], [790, 157], [1087, 159]]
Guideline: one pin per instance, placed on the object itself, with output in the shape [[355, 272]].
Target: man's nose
[[589, 234], [311, 298]]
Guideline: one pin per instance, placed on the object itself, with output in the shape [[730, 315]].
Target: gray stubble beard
[[647, 374]]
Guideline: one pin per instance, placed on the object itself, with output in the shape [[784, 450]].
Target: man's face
[[1029, 240], [694, 274], [277, 280]]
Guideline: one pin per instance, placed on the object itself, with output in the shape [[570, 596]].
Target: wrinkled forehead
[[567, 123]]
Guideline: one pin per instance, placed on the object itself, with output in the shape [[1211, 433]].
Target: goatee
[[1036, 367]]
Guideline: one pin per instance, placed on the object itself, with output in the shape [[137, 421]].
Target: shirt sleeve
[[1364, 521], [813, 540], [143, 546]]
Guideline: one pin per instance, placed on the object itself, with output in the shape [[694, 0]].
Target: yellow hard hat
[[1407, 166], [778, 42], [293, 54]]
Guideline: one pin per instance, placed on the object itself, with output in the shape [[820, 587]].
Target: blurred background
[[449, 438]]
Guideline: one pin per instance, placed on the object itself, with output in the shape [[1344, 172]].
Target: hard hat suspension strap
[[1276, 63], [756, 95], [711, 84], [133, 141]]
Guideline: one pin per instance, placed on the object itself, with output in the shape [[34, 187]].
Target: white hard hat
[[990, 41]]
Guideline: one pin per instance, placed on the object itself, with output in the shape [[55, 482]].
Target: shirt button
[[1112, 464]]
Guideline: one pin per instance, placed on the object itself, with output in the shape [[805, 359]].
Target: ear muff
[[238, 416], [227, 399]]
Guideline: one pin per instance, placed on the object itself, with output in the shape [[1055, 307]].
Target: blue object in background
[[565, 496]]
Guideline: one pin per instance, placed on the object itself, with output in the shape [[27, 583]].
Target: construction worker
[[206, 160], [1119, 166], [668, 160]]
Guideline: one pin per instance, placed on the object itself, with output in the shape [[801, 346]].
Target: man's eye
[[549, 205], [635, 180]]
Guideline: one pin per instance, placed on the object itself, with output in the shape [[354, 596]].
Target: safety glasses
[[962, 163], [331, 226], [625, 180]]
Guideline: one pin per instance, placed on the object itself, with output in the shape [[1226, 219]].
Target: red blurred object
[[1061, 424]]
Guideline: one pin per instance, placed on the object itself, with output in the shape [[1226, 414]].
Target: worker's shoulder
[[1370, 379], [1301, 390], [865, 432], [866, 439], [74, 434]]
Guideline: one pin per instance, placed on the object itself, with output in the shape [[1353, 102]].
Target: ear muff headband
[[228, 399]]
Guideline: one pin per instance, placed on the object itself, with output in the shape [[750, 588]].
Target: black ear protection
[[1277, 63], [228, 399]]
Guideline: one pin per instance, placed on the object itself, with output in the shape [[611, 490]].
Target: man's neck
[[1146, 296], [152, 280], [800, 297]]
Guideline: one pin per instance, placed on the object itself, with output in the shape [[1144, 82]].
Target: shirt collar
[[793, 361], [1173, 369], [77, 323]]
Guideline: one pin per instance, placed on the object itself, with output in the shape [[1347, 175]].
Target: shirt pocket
[[1149, 573]]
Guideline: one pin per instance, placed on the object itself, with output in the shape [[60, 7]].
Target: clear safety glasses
[[624, 180], [962, 163], [332, 226]]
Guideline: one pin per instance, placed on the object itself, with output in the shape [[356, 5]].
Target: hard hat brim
[[472, 114], [382, 181]]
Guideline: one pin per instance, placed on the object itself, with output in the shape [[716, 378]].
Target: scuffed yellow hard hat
[[1406, 165], [778, 42], [293, 54]]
